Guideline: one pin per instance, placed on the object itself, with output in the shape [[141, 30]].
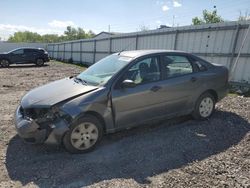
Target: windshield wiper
[[80, 80]]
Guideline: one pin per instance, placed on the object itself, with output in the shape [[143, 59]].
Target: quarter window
[[177, 66], [200, 66], [144, 71], [30, 51]]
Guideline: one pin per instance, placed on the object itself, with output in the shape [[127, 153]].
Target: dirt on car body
[[174, 153]]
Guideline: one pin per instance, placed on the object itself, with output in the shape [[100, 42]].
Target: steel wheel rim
[[84, 136], [39, 61], [206, 107], [4, 63]]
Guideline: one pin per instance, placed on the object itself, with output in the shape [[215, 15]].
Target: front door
[[17, 56], [142, 102]]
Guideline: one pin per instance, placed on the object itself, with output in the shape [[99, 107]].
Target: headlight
[[38, 113]]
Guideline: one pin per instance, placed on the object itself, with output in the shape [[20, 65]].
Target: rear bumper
[[222, 92]]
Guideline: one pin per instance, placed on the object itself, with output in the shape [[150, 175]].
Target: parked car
[[37, 56], [125, 89]]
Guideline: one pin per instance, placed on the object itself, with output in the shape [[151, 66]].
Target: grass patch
[[233, 94], [81, 66]]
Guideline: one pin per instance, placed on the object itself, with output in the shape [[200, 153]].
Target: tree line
[[209, 17], [70, 33]]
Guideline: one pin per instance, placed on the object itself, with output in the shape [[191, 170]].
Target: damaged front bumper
[[30, 131]]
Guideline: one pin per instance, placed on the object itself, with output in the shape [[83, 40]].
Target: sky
[[52, 16]]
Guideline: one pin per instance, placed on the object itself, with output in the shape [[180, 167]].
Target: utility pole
[[173, 19], [109, 28]]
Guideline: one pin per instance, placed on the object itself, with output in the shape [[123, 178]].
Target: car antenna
[[126, 47]]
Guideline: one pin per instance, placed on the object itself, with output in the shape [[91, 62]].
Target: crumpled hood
[[55, 92]]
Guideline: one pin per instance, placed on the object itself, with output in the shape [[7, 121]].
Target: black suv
[[37, 56]]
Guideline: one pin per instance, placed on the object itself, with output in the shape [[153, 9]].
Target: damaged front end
[[40, 117], [37, 125]]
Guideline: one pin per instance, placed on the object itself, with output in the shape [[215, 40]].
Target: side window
[[30, 51], [144, 71], [18, 52], [177, 66]]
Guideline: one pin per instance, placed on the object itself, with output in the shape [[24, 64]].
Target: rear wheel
[[83, 135], [204, 107], [4, 63], [39, 62]]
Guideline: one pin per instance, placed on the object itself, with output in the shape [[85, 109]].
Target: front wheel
[[39, 62], [4, 63], [83, 135], [204, 107]]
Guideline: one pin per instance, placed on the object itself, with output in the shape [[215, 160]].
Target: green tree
[[207, 17], [25, 36], [70, 33], [197, 21], [49, 38]]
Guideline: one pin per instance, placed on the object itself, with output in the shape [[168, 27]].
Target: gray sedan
[[125, 89]]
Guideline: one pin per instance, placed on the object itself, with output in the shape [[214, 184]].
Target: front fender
[[96, 102]]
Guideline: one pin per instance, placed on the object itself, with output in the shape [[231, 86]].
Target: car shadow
[[139, 153], [18, 66]]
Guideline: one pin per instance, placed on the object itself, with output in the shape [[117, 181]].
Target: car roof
[[29, 48], [138, 53]]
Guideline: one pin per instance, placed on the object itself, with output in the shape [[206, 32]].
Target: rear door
[[30, 55], [180, 82]]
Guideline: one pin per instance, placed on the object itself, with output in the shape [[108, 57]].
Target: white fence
[[7, 46], [218, 43]]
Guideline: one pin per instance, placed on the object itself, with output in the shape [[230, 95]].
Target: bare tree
[[244, 17]]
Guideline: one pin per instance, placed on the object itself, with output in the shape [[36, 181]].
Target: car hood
[[3, 53], [55, 92]]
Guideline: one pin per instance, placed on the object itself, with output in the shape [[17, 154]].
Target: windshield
[[103, 70], [13, 50]]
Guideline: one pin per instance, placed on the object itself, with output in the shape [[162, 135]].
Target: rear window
[[42, 51]]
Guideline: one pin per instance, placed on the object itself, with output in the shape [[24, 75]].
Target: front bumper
[[28, 129], [31, 132]]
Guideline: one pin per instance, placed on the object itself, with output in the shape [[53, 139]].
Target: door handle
[[193, 79], [155, 88]]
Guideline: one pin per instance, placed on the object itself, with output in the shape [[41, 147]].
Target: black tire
[[69, 142], [4, 63], [198, 113], [39, 62]]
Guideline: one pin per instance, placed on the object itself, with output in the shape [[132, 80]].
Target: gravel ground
[[173, 153]]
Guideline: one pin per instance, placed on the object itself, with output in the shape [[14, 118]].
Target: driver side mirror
[[128, 84]]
